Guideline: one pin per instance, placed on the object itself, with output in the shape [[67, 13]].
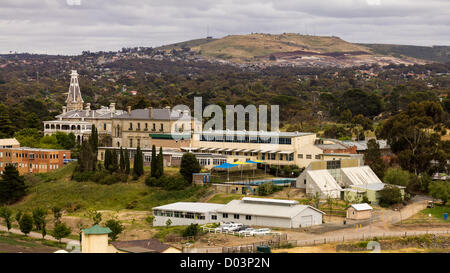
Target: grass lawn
[[56, 189], [437, 212], [10, 243]]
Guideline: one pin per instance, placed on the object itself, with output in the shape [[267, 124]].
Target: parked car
[[246, 231], [241, 228], [232, 227], [261, 231]]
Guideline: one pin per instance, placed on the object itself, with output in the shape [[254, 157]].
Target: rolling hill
[[290, 48]]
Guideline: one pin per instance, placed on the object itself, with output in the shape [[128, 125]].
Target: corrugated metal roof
[[361, 175], [261, 209], [324, 180], [96, 229], [190, 207], [362, 206]]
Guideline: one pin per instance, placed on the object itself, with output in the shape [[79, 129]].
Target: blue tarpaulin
[[225, 166]]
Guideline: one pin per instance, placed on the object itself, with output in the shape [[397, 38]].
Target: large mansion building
[[132, 128]]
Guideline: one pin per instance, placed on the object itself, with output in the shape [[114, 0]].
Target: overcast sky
[[64, 27]]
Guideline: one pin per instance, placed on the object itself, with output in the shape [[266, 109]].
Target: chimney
[[129, 109], [64, 109], [112, 107], [88, 109], [150, 112]]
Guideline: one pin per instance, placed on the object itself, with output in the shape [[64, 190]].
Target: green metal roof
[[96, 229], [170, 136]]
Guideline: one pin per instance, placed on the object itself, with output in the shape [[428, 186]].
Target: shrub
[[397, 176], [191, 230], [390, 195]]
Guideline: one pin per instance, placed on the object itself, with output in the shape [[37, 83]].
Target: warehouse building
[[186, 213], [248, 211], [270, 213]]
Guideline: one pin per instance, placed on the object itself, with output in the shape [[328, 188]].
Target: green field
[[56, 189]]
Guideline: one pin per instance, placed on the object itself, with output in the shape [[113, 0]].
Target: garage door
[[306, 221]]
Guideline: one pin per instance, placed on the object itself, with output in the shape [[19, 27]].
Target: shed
[[359, 211]]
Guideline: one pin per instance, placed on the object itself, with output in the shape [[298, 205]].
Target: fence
[[361, 237], [282, 240], [235, 233]]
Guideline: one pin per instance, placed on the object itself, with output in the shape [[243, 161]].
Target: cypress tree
[[114, 161], [127, 161], [107, 161], [122, 160], [138, 168], [153, 164], [160, 162], [93, 142]]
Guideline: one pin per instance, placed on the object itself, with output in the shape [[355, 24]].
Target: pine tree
[[127, 161], [122, 161], [12, 185], [153, 163], [189, 165]]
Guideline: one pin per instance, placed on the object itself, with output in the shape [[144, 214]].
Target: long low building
[[270, 213], [33, 160], [186, 213], [248, 211]]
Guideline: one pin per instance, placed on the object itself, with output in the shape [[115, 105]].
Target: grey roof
[[255, 133], [103, 113], [157, 114], [360, 175], [362, 206], [264, 209], [190, 207], [335, 146], [362, 145]]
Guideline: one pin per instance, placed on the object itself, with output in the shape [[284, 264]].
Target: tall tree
[[127, 161], [189, 165], [138, 164], [122, 161], [6, 214], [161, 162], [12, 185], [373, 159], [414, 135], [153, 163]]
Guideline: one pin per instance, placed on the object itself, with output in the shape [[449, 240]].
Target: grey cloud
[[52, 26]]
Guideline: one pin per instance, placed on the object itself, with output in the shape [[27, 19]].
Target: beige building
[[95, 240], [274, 148], [359, 211], [9, 143]]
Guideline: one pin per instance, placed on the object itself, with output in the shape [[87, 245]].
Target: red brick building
[[33, 160]]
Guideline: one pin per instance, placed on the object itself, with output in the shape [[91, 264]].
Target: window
[[248, 217], [300, 155], [104, 126], [131, 126], [317, 156], [236, 216], [131, 142], [224, 215], [308, 156], [304, 181], [213, 217], [162, 127]]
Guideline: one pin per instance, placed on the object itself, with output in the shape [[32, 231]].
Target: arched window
[[47, 126]]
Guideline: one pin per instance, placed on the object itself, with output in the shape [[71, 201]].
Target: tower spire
[[74, 100]]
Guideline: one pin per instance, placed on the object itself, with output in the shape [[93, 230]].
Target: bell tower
[[74, 100]]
